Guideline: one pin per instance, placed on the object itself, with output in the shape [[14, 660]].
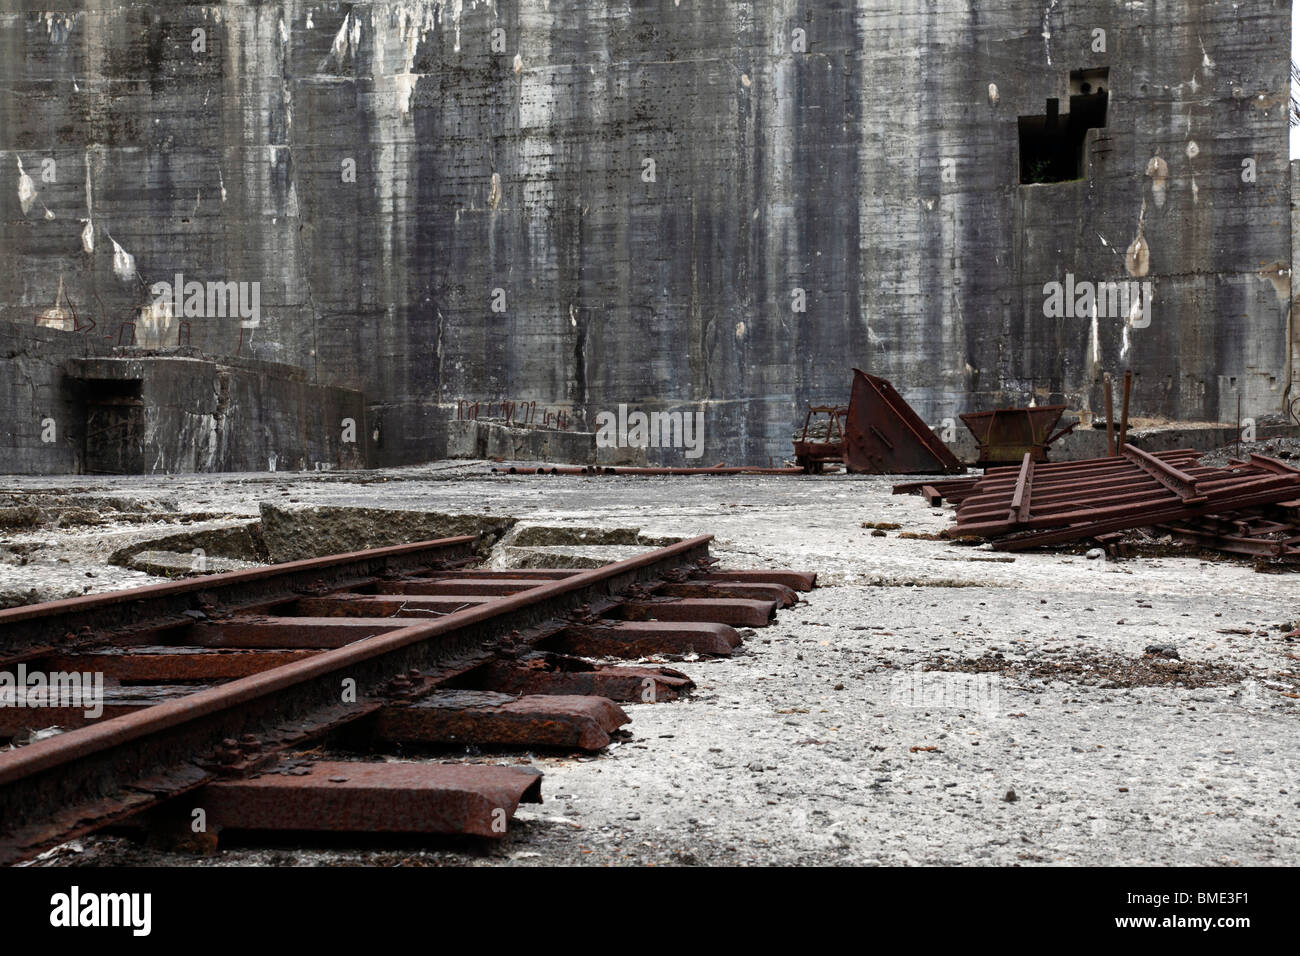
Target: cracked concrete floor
[[821, 742]]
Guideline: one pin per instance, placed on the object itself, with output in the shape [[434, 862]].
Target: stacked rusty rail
[[1271, 533], [212, 686], [1251, 506]]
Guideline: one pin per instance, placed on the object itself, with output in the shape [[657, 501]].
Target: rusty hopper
[[1006, 435], [884, 436]]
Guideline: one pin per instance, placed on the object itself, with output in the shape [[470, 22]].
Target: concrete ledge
[[478, 439]]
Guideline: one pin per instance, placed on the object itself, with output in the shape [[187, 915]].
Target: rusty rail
[[294, 652]]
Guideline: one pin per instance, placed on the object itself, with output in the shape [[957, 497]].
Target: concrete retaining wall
[[714, 205]]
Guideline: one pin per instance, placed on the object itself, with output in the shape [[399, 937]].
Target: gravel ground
[[929, 704]]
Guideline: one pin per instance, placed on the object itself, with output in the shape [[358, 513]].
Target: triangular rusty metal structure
[[884, 436]]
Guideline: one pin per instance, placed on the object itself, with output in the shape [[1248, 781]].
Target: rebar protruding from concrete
[[1123, 419], [1110, 419]]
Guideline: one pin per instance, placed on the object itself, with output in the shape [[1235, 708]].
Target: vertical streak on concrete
[[828, 168], [539, 321], [949, 282], [908, 228], [391, 35], [1290, 395], [783, 260]]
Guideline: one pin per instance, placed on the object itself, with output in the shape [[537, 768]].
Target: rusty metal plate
[[173, 663], [795, 580], [884, 436], [117, 701], [457, 585], [333, 796], [485, 718], [779, 593], [639, 638], [395, 605], [558, 674], [738, 612], [281, 632]]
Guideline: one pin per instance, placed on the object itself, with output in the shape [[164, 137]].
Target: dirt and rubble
[[931, 702], [1285, 448]]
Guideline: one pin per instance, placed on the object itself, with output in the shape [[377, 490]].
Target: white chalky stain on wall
[[1158, 170], [1094, 339], [26, 188], [1138, 258], [1047, 29], [123, 262], [88, 231]]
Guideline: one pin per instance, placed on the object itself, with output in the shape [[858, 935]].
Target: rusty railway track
[[214, 686]]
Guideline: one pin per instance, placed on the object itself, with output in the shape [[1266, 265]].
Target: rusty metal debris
[[884, 436], [825, 444], [485, 717], [937, 492], [1251, 506], [374, 797], [217, 682], [550, 673], [877, 433], [1006, 435]]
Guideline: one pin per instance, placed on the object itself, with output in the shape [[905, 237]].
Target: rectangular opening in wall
[[114, 427], [1052, 145]]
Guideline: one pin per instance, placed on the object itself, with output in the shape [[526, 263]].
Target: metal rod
[[1110, 419], [1237, 441], [1123, 420]]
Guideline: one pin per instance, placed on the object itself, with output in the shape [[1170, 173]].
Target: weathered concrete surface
[[67, 407], [524, 169], [200, 548], [293, 534], [488, 439], [41, 420], [161, 414]]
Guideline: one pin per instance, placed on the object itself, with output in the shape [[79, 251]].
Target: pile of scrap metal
[[876, 433], [1249, 507]]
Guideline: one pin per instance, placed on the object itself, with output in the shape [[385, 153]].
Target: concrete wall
[[775, 169], [152, 415], [41, 417], [486, 439]]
